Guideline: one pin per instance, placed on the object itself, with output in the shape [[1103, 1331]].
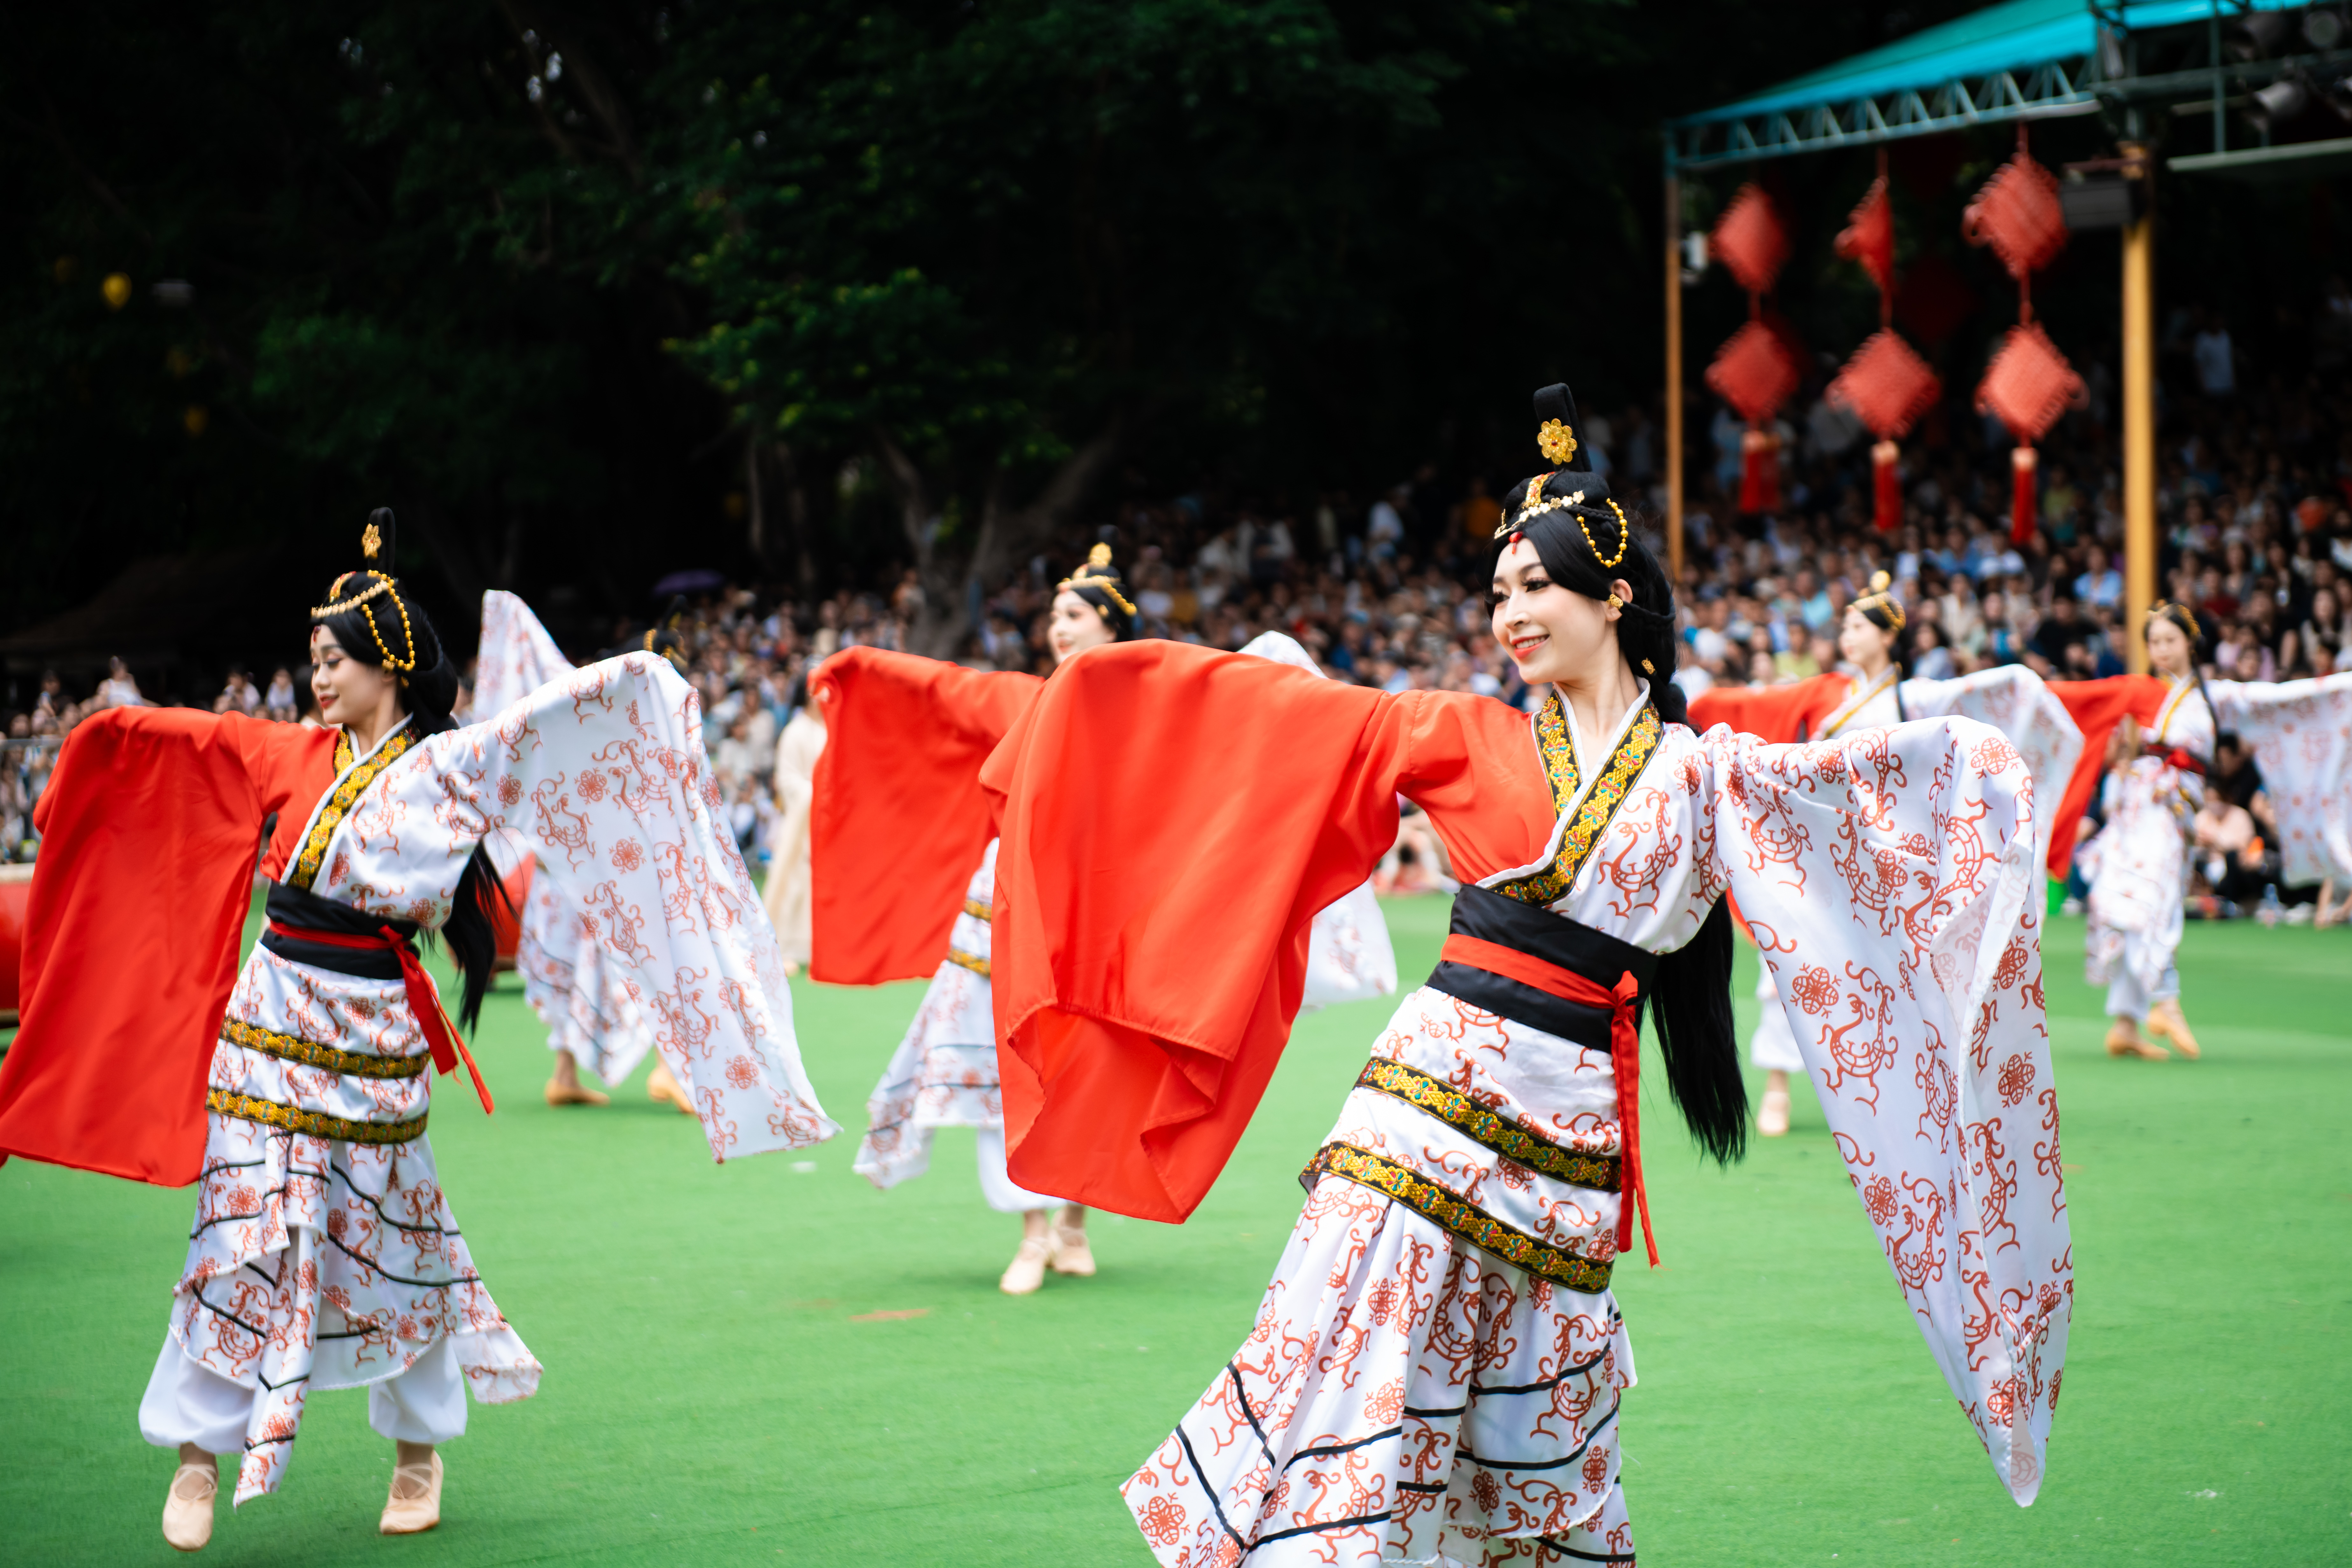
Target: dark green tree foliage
[[593, 292]]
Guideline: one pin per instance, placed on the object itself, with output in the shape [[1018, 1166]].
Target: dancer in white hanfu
[[324, 1254], [591, 1019], [2137, 867], [1437, 1367]]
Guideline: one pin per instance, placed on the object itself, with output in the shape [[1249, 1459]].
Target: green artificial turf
[[717, 1392]]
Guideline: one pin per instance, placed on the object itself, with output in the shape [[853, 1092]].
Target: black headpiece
[[668, 638], [1098, 582], [374, 594]]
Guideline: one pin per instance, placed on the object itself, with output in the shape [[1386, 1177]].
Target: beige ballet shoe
[[2166, 1022], [660, 1086], [188, 1506], [560, 1093], [2123, 1040], [415, 1505], [1072, 1256], [1772, 1116], [1027, 1269]]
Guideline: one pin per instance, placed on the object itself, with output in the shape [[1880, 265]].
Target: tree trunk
[[1009, 535]]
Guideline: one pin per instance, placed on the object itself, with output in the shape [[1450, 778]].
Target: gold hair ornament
[[2187, 614], [1624, 534], [371, 542], [383, 586], [1097, 574], [1557, 441], [1535, 506], [1880, 597]]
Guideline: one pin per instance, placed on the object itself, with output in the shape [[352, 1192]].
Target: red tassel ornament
[[2025, 495], [1759, 471], [1886, 487]]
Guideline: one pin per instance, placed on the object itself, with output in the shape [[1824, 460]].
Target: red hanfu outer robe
[[882, 906], [138, 906]]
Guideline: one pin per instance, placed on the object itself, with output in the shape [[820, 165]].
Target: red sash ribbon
[[2176, 757], [440, 1034], [1624, 1052]]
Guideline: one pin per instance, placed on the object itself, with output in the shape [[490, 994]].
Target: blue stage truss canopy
[[2024, 59]]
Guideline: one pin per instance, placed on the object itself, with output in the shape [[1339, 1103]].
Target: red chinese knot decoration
[[2017, 214], [1868, 237], [2028, 382], [1758, 369], [1887, 385], [1750, 239]]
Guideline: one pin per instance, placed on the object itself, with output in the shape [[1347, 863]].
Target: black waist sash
[[305, 910], [1552, 939]]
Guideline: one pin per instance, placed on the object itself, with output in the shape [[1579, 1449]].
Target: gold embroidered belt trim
[[1488, 1130], [975, 909], [313, 1123], [309, 1053], [1466, 1220], [1549, 884], [971, 960]]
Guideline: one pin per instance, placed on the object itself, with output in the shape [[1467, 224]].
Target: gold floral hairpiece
[[1097, 574], [1557, 441]]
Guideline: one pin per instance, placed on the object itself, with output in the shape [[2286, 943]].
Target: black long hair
[[1586, 542], [2185, 619], [373, 618]]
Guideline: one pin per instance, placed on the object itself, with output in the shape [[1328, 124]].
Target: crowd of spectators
[[2255, 522]]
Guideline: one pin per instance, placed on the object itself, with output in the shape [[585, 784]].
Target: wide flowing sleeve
[[516, 656], [2301, 734], [2096, 706], [1350, 955], [1888, 879], [1776, 713], [606, 772], [1172, 819], [149, 827], [898, 821], [2021, 705]]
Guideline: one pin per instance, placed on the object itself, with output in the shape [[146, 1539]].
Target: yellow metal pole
[[1674, 381], [2139, 416]]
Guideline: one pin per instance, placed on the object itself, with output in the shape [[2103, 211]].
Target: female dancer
[[590, 1015], [2137, 867], [944, 1072], [1438, 1361], [1877, 689], [324, 1253], [883, 708]]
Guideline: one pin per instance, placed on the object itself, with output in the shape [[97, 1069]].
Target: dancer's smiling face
[[1552, 633], [1865, 644], [349, 689], [1076, 626]]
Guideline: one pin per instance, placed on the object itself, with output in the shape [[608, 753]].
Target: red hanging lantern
[[1750, 239], [1758, 369], [1756, 374], [1886, 384], [2028, 385], [1868, 237]]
